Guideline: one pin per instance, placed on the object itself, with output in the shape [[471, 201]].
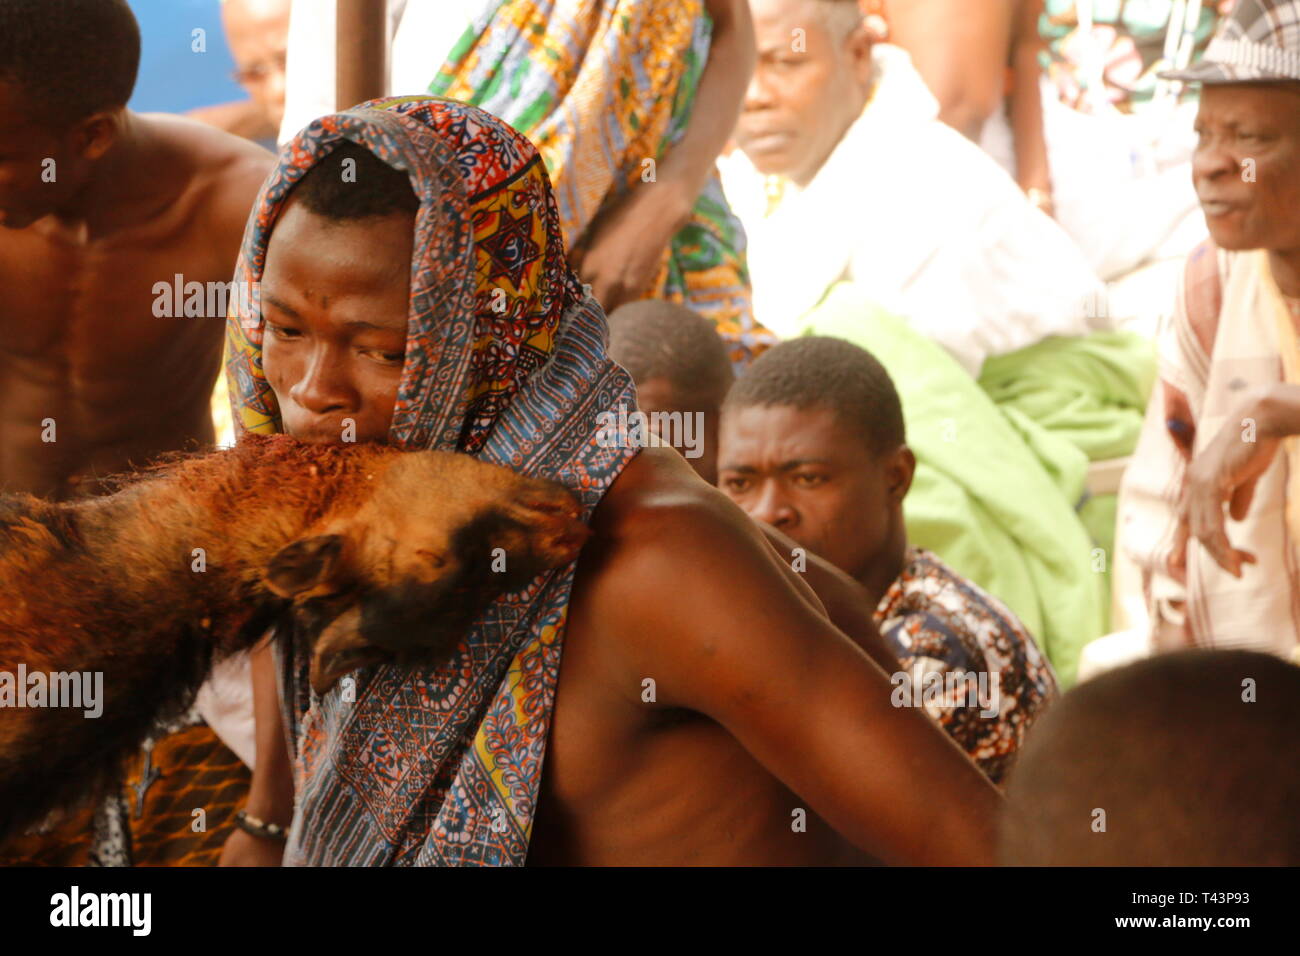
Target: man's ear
[[857, 45], [305, 565], [95, 135], [899, 470]]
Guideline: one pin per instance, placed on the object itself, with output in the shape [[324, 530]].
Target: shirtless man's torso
[[92, 382]]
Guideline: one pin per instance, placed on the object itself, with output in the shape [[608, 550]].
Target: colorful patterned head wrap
[[443, 766]]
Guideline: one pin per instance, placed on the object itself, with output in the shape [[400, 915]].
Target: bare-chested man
[[770, 737], [99, 205], [100, 369]]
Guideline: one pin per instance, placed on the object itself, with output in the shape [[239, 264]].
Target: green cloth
[[1089, 393], [982, 498]]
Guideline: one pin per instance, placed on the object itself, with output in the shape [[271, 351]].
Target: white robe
[[925, 222]]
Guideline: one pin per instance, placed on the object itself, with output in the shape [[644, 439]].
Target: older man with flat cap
[[1221, 425]]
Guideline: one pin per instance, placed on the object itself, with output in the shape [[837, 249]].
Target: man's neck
[[1285, 265], [110, 196], [881, 573]]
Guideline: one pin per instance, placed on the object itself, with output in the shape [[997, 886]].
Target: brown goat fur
[[372, 551]]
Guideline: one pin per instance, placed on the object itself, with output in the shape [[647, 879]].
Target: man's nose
[[1211, 161], [772, 507], [275, 85], [324, 387], [758, 94]]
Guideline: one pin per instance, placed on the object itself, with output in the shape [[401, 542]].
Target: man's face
[[334, 298], [258, 34], [807, 89], [804, 473], [659, 395], [41, 167], [1246, 167]]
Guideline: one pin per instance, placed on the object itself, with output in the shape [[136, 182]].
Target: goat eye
[[435, 558]]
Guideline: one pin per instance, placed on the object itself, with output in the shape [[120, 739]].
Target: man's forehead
[[17, 118], [775, 20], [784, 431], [1226, 98]]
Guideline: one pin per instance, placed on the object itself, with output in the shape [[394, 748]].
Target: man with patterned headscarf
[[685, 719], [628, 101]]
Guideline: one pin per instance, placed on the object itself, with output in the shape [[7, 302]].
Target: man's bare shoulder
[[209, 148], [659, 503], [226, 171], [667, 543]]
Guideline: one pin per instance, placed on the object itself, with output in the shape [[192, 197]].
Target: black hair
[[1189, 755], [823, 372], [367, 188], [70, 58], [652, 338]]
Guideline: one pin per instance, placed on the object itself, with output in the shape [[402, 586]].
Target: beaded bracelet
[[259, 828]]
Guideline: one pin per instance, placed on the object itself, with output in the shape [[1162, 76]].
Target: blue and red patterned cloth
[[430, 767]]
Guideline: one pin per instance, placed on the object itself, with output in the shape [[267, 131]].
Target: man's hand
[[1229, 467], [624, 247], [244, 849], [622, 251]]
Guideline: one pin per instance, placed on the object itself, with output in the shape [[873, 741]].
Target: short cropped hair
[[1185, 759], [652, 338], [839, 17], [823, 372], [69, 58], [369, 188]]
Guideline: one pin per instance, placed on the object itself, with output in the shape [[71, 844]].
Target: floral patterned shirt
[[965, 658]]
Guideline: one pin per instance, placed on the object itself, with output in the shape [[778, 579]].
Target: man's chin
[[769, 162], [312, 437], [1231, 239]]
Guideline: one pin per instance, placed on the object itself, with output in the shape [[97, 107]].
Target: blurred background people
[[257, 33]]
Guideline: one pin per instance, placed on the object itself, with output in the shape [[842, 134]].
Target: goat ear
[[339, 649], [305, 564]]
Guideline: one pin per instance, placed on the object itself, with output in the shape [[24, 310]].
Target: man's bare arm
[[844, 600], [717, 100], [961, 51], [623, 249], [805, 701], [270, 794], [1032, 169]]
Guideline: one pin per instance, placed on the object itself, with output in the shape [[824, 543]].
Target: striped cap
[[1258, 42]]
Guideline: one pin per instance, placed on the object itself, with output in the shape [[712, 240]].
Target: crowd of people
[[966, 339]]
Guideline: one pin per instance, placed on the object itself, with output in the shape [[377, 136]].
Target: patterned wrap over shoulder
[[442, 766], [604, 88]]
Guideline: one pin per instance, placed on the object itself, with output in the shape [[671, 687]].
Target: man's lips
[[1218, 207], [762, 140]]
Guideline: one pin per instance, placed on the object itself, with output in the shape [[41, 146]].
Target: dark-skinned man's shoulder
[[228, 171], [671, 558]]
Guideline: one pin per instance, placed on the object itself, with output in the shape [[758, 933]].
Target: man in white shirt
[[847, 173]]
